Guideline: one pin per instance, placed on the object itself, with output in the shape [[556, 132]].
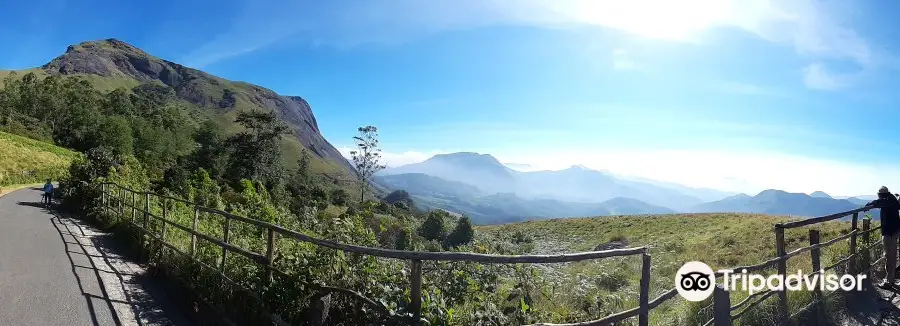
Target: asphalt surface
[[55, 270]]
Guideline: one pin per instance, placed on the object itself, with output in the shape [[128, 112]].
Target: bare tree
[[367, 157]]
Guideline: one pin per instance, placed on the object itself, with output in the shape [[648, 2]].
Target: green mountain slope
[[111, 64], [25, 160]]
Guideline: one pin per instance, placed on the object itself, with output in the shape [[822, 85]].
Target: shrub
[[339, 197], [399, 196], [462, 234], [433, 227]]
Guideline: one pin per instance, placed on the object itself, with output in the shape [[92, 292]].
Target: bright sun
[[666, 19]]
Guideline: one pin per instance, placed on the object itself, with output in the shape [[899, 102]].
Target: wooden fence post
[[644, 315], [721, 307], [854, 262], [270, 253], [165, 217], [133, 206], [121, 204], [817, 267], [103, 198], [415, 290], [867, 256], [783, 315], [194, 228], [226, 228], [147, 232]]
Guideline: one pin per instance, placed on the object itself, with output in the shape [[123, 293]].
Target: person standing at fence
[[890, 225]]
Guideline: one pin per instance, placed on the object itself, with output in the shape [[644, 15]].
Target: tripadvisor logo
[[695, 281]]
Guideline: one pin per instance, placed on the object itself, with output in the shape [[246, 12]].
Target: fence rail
[[115, 197], [724, 312]]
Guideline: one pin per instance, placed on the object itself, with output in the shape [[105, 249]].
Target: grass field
[[612, 285], [25, 161]]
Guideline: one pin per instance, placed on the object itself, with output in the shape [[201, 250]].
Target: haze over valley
[[490, 192]]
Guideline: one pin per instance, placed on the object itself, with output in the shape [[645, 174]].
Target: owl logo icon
[[695, 281]]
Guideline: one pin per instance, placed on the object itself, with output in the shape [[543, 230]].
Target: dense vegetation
[[143, 139], [27, 161]]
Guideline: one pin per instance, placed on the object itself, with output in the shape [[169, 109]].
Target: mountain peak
[[110, 44], [819, 194], [119, 64], [470, 157], [773, 192], [116, 58]]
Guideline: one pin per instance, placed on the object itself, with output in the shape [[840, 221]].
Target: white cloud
[[814, 29], [622, 61], [803, 24], [748, 172], [817, 76], [395, 159]]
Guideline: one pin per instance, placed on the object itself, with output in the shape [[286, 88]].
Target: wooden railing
[[724, 312], [115, 198]]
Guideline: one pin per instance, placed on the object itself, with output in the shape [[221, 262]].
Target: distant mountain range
[[576, 184], [431, 192], [778, 202], [488, 191]]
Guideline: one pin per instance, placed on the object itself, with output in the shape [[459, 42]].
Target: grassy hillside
[[27, 161], [611, 285]]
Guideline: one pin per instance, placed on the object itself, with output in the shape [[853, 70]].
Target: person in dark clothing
[[890, 224]]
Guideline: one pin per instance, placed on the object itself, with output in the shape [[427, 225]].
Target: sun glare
[[670, 20]]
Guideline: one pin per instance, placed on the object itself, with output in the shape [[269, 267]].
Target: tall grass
[[24, 160], [720, 240]]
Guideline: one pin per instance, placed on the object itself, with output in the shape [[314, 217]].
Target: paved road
[[57, 271]]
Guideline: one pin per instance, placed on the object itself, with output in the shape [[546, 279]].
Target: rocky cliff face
[[118, 60]]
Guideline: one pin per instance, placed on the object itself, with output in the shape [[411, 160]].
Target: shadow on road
[[116, 291], [873, 307], [34, 204]]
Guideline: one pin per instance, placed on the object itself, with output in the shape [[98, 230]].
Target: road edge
[[4, 190]]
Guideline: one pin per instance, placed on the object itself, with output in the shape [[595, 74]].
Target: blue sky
[[737, 95]]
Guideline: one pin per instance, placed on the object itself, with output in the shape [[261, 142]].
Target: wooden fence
[[857, 261], [116, 198]]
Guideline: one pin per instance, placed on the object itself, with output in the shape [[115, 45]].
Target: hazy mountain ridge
[[779, 202], [575, 184], [430, 192], [704, 194], [481, 171], [505, 195], [819, 194]]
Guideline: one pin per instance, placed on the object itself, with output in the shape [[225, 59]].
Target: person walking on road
[[48, 193], [890, 225]]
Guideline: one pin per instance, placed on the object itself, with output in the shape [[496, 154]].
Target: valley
[[479, 186]]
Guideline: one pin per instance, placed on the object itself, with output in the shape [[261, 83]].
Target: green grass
[[26, 160], [720, 240], [40, 73], [104, 84]]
